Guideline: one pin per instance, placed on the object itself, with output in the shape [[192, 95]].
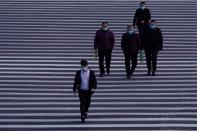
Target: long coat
[[130, 43], [104, 40], [141, 15], [152, 39]]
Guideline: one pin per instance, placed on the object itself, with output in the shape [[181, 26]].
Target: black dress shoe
[[149, 72], [102, 75], [82, 118], [108, 72], [131, 73], [153, 73], [128, 76], [86, 115]]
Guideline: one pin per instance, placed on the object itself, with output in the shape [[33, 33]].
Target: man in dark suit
[[152, 43], [85, 82], [141, 18], [130, 45], [103, 46]]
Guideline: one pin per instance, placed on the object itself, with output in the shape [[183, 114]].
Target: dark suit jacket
[[92, 81], [152, 39], [130, 43], [141, 15], [104, 40]]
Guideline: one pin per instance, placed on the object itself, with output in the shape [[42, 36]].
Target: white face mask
[[153, 26], [84, 68], [105, 29], [143, 7], [130, 31]]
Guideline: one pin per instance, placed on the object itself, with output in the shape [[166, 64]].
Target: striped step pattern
[[42, 42]]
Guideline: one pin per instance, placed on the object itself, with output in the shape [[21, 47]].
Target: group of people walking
[[148, 39]]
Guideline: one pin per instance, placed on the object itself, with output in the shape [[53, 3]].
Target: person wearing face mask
[[103, 45], [141, 18], [130, 45], [152, 43], [85, 83]]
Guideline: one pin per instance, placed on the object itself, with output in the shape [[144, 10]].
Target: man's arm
[[75, 83], [112, 40], [148, 15], [96, 41], [123, 43], [135, 18], [160, 40]]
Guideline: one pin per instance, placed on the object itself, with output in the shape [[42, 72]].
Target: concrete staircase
[[42, 42]]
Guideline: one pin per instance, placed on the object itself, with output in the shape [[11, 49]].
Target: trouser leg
[[88, 101], [108, 59], [148, 59], [134, 62], [127, 63], [101, 61], [82, 99], [154, 60]]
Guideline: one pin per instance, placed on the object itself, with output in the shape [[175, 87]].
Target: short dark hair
[[129, 26], [152, 21], [84, 62], [104, 22], [142, 2]]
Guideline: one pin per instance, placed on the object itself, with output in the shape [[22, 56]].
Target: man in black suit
[[130, 45], [141, 18], [85, 82], [152, 43]]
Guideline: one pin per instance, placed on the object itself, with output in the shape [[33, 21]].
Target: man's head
[[84, 65], [104, 25], [142, 5], [130, 29], [153, 23]]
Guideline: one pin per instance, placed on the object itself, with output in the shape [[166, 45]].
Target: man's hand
[[142, 21], [95, 54], [92, 90]]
